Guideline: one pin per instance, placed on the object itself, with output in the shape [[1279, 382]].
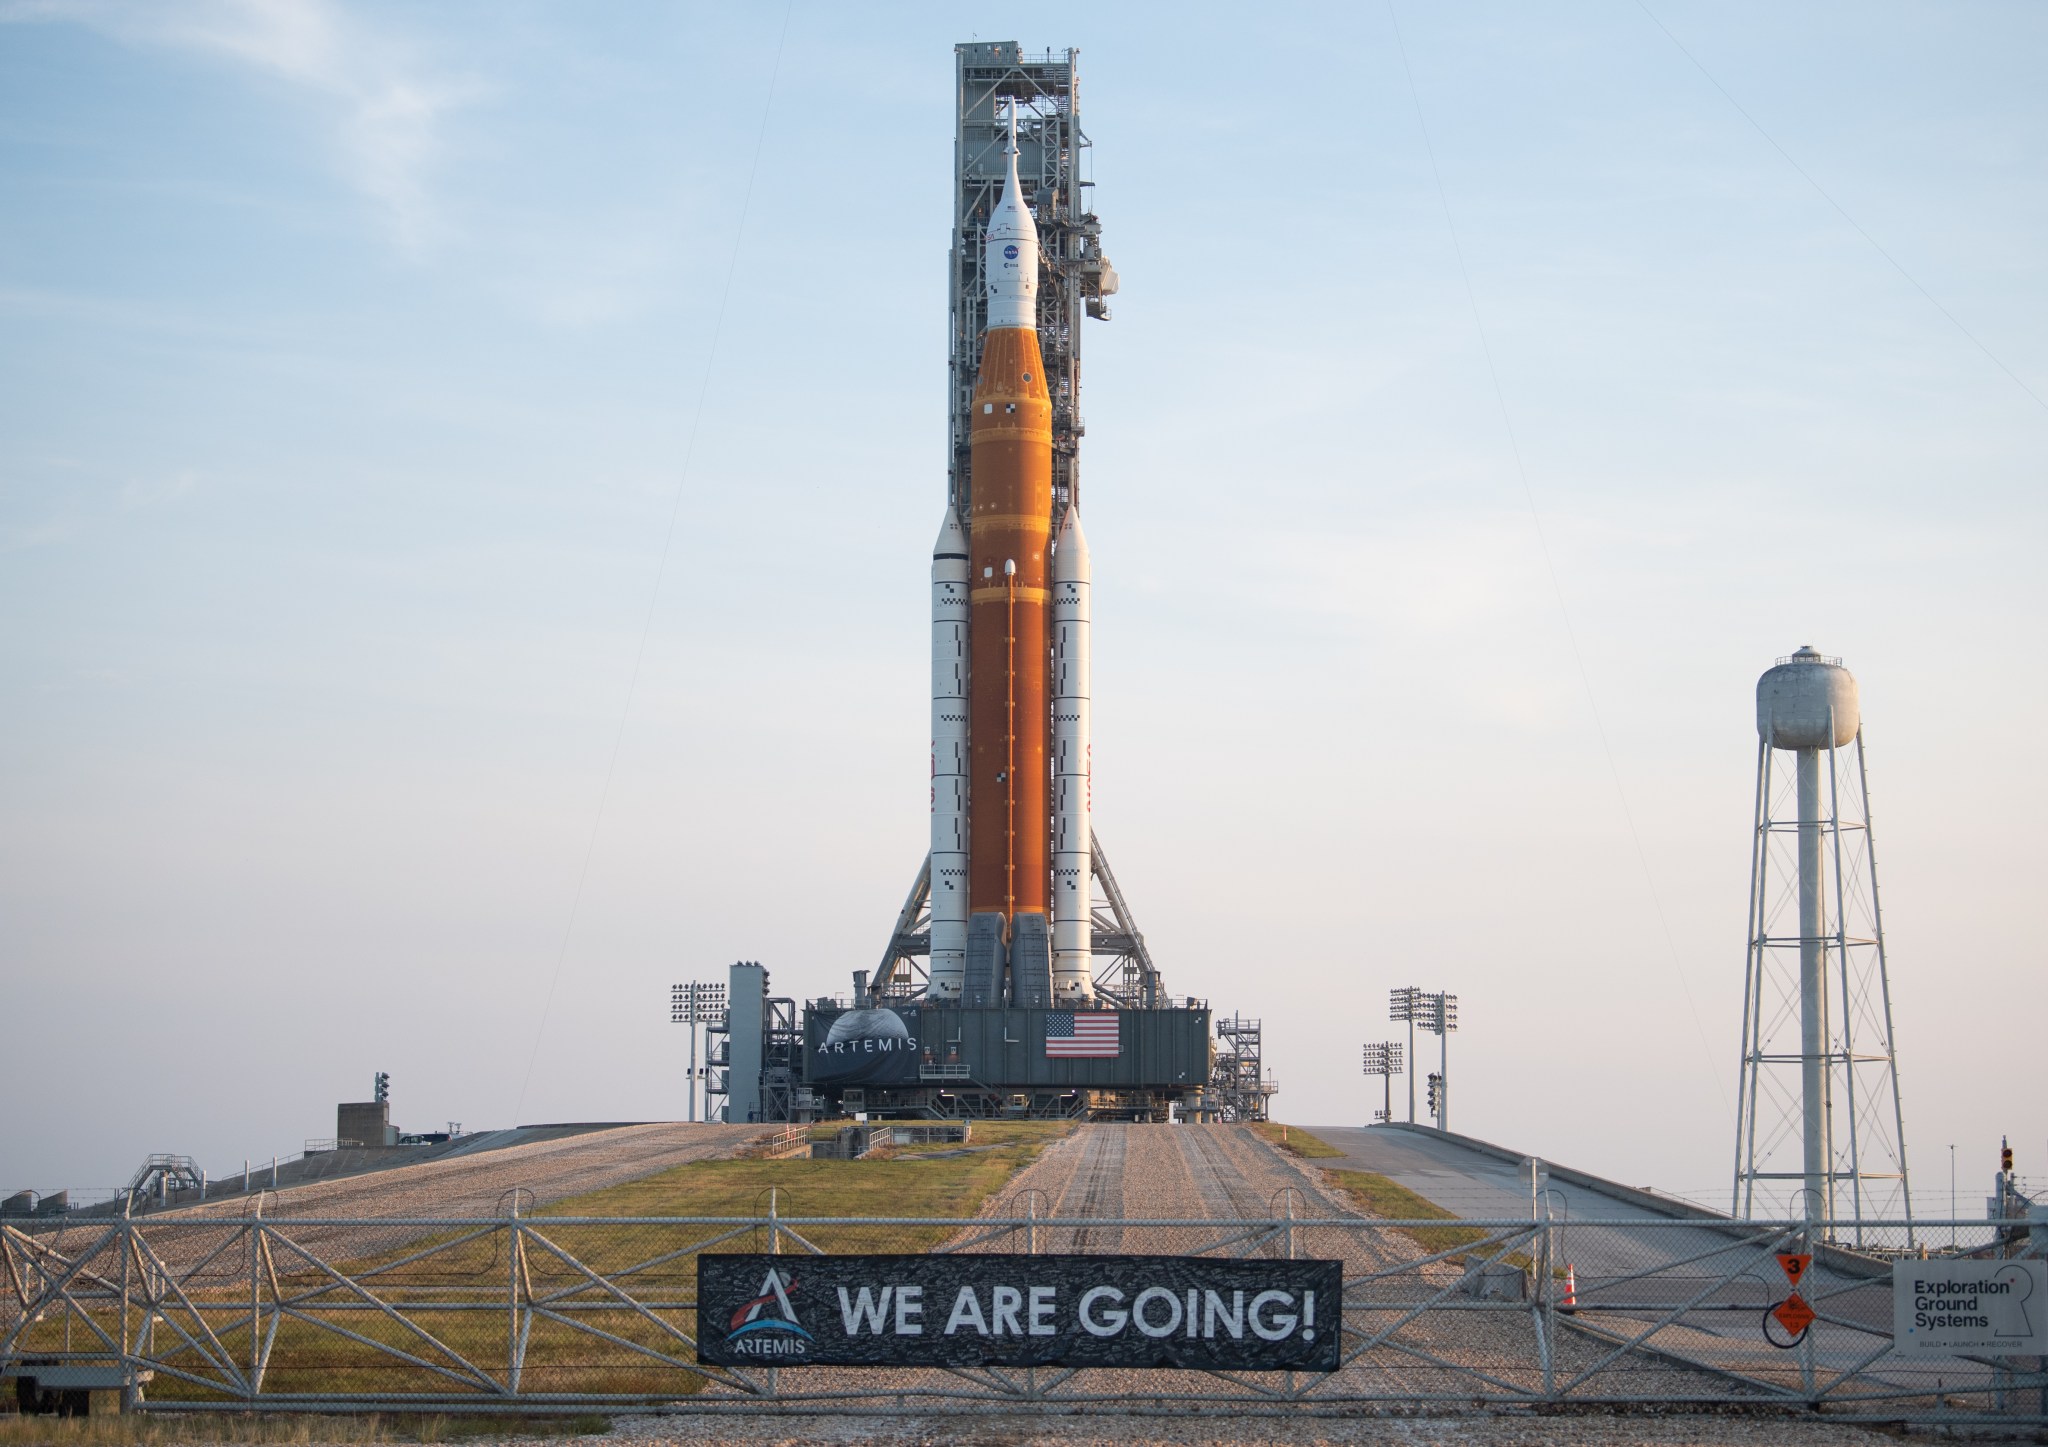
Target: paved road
[[1470, 1182], [1630, 1275]]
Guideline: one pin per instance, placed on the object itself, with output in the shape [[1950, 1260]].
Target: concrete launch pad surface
[[476, 1175], [1480, 1182], [1169, 1172]]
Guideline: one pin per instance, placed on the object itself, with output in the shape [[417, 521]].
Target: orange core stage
[[1009, 533]]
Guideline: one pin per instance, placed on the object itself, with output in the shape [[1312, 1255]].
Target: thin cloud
[[386, 107]]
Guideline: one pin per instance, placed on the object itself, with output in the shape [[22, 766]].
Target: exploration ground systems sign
[[970, 1310], [1970, 1308]]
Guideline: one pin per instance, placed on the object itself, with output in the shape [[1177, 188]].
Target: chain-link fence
[[557, 1312]]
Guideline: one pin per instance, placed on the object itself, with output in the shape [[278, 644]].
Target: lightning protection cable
[[660, 568], [1549, 565]]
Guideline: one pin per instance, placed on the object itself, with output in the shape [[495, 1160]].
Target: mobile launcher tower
[[1015, 981]]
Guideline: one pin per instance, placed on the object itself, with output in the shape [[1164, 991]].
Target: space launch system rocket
[[1038, 992], [1011, 852]]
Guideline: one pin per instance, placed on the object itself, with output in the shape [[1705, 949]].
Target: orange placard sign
[[1794, 1314], [1795, 1265]]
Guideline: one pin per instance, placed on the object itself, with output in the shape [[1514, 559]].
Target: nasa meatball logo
[[1009, 253]]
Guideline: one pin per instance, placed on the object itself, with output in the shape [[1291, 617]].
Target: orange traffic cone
[[1571, 1291]]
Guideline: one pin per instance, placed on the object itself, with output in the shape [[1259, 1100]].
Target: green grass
[[656, 1263], [1391, 1201], [901, 1184], [1294, 1139]]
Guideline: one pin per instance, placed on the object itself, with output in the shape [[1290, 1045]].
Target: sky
[[467, 475]]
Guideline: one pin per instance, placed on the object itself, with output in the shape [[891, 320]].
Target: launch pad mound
[[476, 1175]]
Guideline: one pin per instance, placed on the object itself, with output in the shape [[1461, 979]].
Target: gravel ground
[[1002, 1431], [1229, 1174], [481, 1185]]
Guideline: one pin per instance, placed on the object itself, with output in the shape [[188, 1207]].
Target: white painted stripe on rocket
[[948, 964], [1010, 251], [1073, 886]]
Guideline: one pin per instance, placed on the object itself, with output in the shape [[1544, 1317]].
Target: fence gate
[[538, 1313]]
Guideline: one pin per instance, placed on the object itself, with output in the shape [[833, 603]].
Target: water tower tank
[[1794, 701]]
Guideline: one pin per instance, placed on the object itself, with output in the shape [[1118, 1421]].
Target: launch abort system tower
[[1015, 980]]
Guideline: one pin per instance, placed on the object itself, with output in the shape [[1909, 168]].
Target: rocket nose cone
[[1010, 250], [949, 553], [1011, 219], [1070, 557]]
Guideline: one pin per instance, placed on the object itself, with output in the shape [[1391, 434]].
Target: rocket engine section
[[999, 935]]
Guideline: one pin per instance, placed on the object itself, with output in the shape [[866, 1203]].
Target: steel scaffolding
[[1238, 1088], [1811, 856]]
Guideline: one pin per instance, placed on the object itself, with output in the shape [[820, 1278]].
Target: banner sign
[[863, 1047], [1074, 1311], [1970, 1308]]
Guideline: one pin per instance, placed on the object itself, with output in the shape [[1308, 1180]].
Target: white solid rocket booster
[[1073, 847], [949, 761]]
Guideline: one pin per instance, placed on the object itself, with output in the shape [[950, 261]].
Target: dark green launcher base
[[919, 1059]]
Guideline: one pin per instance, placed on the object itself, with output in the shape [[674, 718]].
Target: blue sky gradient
[[354, 361]]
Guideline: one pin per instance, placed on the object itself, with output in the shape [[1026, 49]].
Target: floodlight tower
[[1817, 1050], [696, 1003], [1439, 1016], [1383, 1058], [1437, 1013], [1403, 1005]]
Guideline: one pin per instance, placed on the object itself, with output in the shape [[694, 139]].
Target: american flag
[[1090, 1035]]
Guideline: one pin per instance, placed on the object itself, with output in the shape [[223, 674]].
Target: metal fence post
[[774, 1249], [512, 1245], [255, 1229], [1031, 1249], [128, 1358], [1806, 1234], [1546, 1300]]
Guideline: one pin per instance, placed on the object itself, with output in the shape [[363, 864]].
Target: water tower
[[1819, 1134]]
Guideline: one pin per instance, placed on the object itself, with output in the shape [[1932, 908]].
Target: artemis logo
[[767, 1326]]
